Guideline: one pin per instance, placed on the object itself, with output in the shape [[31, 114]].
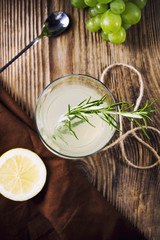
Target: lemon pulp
[[22, 174]]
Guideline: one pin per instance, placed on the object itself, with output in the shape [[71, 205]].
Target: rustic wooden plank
[[135, 193]]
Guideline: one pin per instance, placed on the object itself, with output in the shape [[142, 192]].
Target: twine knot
[[132, 131]]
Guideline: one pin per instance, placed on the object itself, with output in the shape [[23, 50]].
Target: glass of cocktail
[[71, 90]]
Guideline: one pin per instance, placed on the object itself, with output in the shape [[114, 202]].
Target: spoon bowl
[[57, 23]]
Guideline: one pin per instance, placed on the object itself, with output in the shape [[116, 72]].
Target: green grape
[[140, 3], [104, 1], [97, 20], [132, 14], [118, 37], [117, 6], [78, 3], [90, 3], [126, 25], [92, 11], [101, 8], [104, 36], [91, 26], [110, 22]]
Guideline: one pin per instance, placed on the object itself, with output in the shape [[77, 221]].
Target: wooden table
[[134, 192]]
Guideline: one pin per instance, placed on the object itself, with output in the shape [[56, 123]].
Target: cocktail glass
[[53, 104]]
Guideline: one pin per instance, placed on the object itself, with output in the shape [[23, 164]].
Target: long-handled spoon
[[54, 25]]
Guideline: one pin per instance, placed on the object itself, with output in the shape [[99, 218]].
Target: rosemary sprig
[[87, 108]]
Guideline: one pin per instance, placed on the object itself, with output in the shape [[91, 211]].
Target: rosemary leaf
[[88, 108]]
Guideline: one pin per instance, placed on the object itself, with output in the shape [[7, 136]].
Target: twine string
[[132, 131]]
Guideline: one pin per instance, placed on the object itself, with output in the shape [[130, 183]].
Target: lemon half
[[22, 174]]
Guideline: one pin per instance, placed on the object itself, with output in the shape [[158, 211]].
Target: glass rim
[[46, 144]]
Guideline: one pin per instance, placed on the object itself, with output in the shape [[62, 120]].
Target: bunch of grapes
[[113, 17]]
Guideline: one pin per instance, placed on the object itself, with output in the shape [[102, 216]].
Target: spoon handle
[[19, 54]]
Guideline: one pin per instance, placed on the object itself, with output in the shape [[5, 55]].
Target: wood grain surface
[[136, 193]]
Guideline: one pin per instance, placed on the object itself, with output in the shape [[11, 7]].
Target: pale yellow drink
[[54, 104]]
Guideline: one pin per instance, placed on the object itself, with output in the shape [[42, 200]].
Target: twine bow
[[122, 136]]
